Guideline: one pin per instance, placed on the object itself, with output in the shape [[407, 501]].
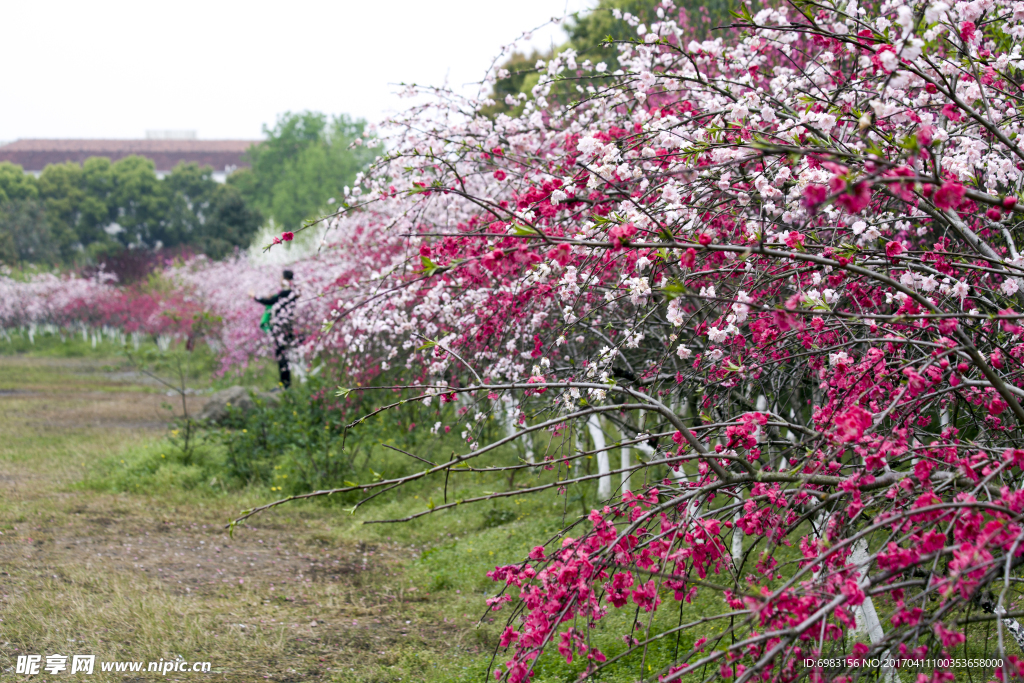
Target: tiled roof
[[34, 155]]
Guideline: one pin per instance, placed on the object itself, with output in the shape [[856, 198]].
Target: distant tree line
[[73, 215], [592, 35]]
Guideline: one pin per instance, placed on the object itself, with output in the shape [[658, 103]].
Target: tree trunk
[[604, 483], [737, 540], [626, 463], [865, 614], [510, 429]]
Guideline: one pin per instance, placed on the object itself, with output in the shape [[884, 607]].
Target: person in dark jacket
[[282, 307]]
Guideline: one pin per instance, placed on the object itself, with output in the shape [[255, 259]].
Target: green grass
[[446, 554], [90, 463], [107, 353]]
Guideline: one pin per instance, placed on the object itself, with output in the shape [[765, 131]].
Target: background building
[[165, 148]]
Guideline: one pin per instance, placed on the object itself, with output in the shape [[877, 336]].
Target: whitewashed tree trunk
[[298, 365], [820, 525], [626, 464], [677, 474], [737, 539], [791, 435], [524, 440], [865, 614], [527, 441], [604, 483]]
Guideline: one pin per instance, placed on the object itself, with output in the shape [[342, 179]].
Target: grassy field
[[111, 546], [144, 570], [303, 593]]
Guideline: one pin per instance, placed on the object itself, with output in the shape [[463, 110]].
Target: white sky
[[105, 69]]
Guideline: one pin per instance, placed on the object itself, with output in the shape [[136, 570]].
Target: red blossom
[[851, 424], [894, 249], [814, 195], [621, 233], [856, 200], [949, 195]]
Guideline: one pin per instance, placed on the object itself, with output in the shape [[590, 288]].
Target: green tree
[[25, 235], [75, 213], [522, 76], [592, 35], [189, 188], [205, 214], [76, 202], [232, 223], [590, 31], [97, 211], [140, 201], [307, 159], [15, 184]]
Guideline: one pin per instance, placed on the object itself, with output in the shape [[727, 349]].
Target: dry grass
[[143, 577]]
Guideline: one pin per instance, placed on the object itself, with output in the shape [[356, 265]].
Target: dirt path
[[143, 577]]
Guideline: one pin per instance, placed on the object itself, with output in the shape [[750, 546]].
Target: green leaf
[[350, 483], [673, 289]]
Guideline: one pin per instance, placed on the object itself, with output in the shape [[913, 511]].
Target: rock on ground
[[239, 397]]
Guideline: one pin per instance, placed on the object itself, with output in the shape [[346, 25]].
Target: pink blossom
[[949, 195], [851, 423], [621, 233], [950, 639], [856, 200], [794, 239], [814, 195]]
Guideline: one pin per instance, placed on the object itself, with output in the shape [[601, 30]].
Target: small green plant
[[161, 466], [172, 366], [497, 517], [292, 447]]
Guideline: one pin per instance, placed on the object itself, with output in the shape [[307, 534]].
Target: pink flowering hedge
[[72, 303], [194, 298], [777, 273]]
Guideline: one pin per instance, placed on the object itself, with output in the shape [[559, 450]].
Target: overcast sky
[[106, 69]]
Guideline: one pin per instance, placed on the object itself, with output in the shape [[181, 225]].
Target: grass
[[111, 544], [151, 573], [134, 564], [114, 549]]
